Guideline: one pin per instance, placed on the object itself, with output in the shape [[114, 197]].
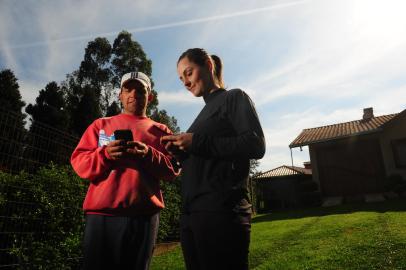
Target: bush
[[170, 216], [43, 221], [47, 206]]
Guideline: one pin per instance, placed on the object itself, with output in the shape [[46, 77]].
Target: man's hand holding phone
[[125, 146], [116, 149], [137, 149]]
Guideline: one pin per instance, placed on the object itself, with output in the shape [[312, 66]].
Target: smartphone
[[123, 134]]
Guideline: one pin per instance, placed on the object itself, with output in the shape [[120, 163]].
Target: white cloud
[[29, 90], [332, 60], [345, 55], [89, 14], [6, 53], [178, 98]]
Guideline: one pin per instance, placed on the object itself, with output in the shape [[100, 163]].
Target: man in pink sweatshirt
[[124, 198]]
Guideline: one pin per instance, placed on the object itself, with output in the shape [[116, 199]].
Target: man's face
[[134, 97]]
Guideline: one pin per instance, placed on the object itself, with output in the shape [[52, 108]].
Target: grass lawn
[[352, 236]]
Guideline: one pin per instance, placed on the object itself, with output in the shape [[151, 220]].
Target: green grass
[[356, 236]]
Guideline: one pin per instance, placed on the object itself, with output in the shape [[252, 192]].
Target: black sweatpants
[[213, 241], [119, 242]]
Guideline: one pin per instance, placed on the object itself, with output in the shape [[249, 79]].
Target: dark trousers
[[213, 241], [119, 242]]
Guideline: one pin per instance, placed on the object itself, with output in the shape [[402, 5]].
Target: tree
[[46, 141], [10, 93], [95, 72], [12, 122], [82, 104], [49, 107], [90, 89], [128, 56], [86, 112], [254, 163], [161, 116], [113, 109]]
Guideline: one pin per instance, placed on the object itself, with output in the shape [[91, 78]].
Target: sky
[[304, 63]]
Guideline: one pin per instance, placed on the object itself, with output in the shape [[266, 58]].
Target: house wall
[[282, 192], [349, 166], [276, 193], [315, 168], [396, 129]]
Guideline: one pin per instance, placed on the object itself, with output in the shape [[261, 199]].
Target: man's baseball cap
[[137, 76]]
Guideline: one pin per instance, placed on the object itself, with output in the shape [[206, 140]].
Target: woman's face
[[198, 80]]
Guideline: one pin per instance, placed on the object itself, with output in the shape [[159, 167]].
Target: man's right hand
[[116, 149]]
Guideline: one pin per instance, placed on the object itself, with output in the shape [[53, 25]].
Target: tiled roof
[[342, 130], [284, 171]]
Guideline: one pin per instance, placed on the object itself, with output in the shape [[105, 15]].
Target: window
[[399, 152]]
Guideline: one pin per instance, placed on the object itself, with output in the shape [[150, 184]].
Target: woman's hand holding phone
[[177, 144]]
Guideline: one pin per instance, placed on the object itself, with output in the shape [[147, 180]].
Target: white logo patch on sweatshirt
[[104, 139]]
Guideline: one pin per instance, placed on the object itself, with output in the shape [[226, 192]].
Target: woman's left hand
[[182, 141]]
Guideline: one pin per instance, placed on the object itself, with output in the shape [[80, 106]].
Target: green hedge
[[47, 206], [170, 216], [45, 209]]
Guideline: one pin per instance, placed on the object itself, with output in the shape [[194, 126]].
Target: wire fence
[[22, 149], [26, 150]]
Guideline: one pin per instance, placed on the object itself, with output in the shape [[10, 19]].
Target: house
[[357, 157], [285, 187]]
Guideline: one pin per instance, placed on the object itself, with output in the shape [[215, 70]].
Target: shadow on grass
[[390, 205]]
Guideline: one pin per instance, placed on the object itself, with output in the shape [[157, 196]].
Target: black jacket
[[226, 135]]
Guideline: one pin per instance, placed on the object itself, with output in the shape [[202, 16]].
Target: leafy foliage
[[161, 116], [91, 91], [48, 208], [170, 216], [12, 124], [10, 93], [49, 107]]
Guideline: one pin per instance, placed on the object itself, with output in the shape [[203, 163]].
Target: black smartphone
[[123, 134]]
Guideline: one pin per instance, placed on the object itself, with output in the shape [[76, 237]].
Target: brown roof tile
[[283, 171], [341, 130]]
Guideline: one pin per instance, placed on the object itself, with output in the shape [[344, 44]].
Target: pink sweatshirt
[[125, 187]]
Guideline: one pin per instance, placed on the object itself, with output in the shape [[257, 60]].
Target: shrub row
[[42, 221]]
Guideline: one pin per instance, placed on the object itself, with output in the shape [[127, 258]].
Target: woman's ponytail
[[218, 70]]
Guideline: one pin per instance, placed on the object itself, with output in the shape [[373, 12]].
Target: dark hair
[[199, 56]]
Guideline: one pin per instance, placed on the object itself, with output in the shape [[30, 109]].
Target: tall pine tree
[[49, 107], [12, 131], [11, 100], [46, 140]]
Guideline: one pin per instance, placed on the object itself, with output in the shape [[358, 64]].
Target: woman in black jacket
[[215, 154]]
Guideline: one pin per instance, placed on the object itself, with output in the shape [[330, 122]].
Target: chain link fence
[[23, 150]]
